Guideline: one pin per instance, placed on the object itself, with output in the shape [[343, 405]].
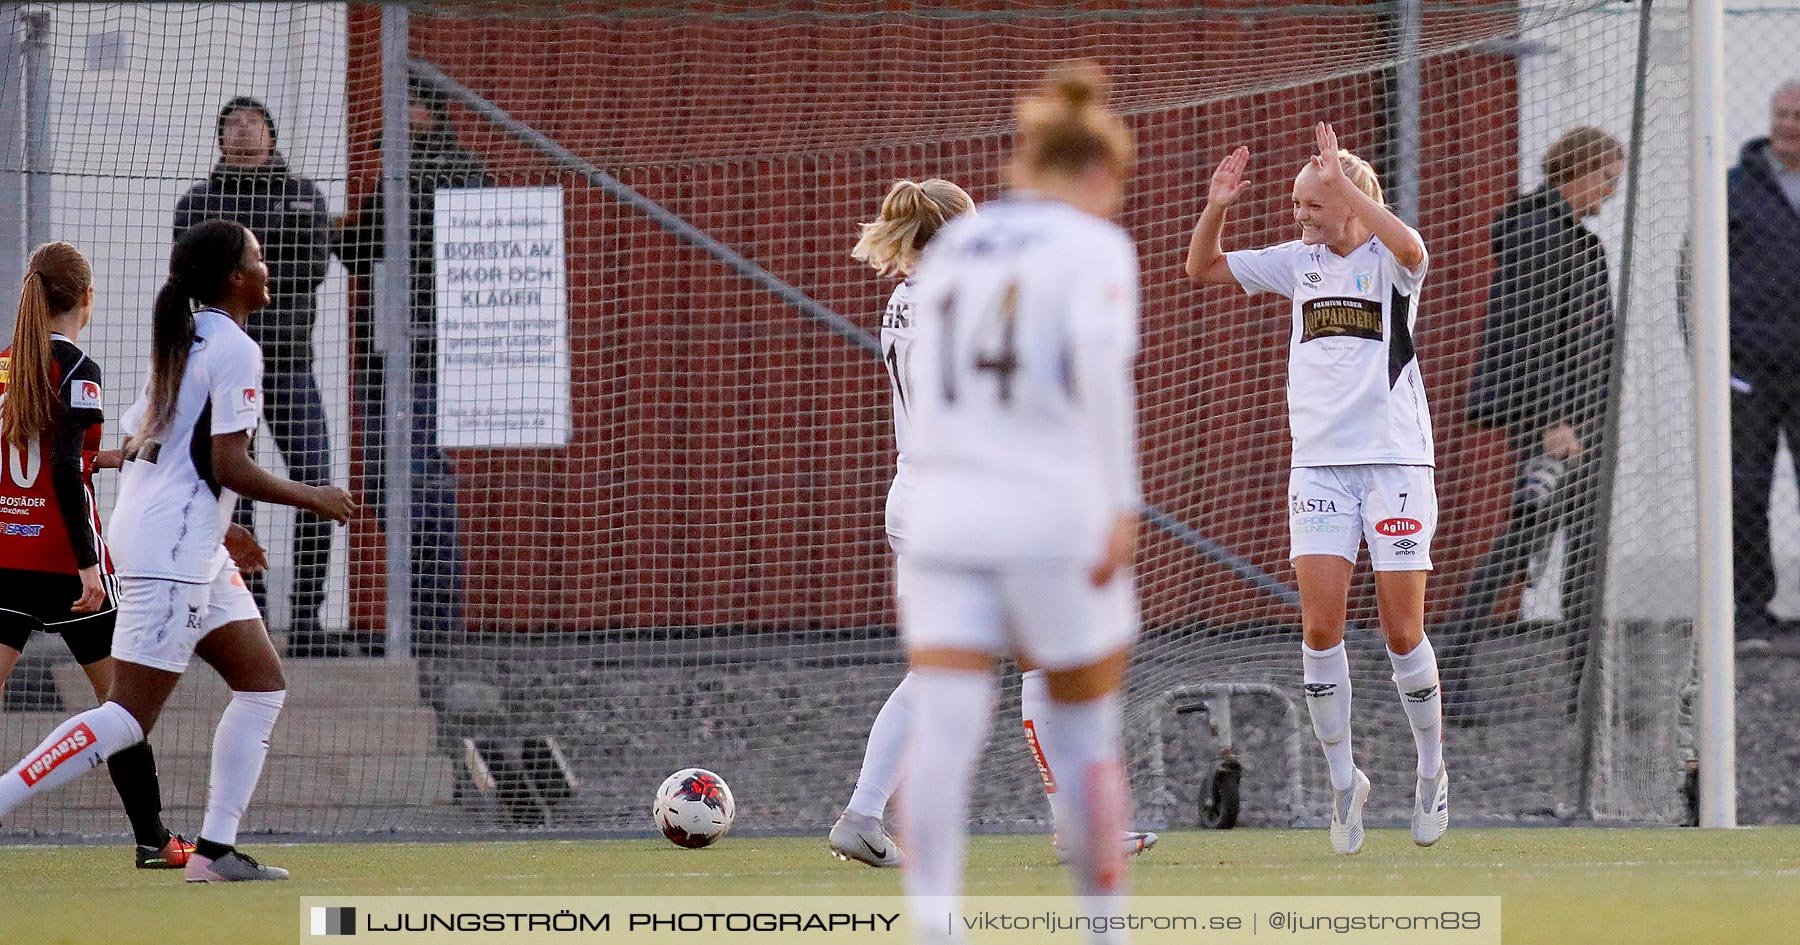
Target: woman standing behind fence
[[185, 461]]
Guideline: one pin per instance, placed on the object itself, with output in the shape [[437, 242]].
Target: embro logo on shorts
[[1399, 526], [68, 747]]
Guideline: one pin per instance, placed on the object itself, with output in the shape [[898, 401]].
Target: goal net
[[622, 438]]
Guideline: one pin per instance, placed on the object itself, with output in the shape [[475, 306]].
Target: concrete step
[[103, 821], [354, 750], [405, 781], [364, 683], [302, 731]]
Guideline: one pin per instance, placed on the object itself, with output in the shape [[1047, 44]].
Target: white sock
[[1327, 676], [76, 747], [1416, 676], [1084, 737], [881, 759], [1034, 711], [240, 745], [951, 714]]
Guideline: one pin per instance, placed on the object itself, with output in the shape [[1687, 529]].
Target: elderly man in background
[[1763, 205]]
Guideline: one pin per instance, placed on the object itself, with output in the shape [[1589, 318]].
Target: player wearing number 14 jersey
[[1363, 455], [911, 214], [55, 572], [1024, 512]]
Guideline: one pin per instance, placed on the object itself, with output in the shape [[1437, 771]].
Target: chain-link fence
[[621, 439]]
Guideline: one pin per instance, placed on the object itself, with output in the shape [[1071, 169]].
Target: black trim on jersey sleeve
[[74, 365], [66, 440], [1400, 343], [71, 492], [200, 449]]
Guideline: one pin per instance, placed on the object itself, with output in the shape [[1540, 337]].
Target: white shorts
[[160, 622], [1333, 509], [1046, 611], [899, 545]]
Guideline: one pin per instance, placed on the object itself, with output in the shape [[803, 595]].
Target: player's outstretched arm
[[1394, 233], [238, 472], [1206, 254]]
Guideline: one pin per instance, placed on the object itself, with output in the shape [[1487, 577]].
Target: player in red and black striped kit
[[55, 573]]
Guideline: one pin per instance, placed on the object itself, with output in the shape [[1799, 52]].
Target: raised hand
[[1326, 161], [1228, 181]]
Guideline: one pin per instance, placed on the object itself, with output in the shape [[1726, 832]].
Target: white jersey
[[896, 352], [1023, 442], [171, 514], [1355, 394]]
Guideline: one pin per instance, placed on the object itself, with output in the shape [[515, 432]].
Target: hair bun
[[1077, 83]]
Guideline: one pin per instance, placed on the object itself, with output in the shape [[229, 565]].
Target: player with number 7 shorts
[[1363, 453]]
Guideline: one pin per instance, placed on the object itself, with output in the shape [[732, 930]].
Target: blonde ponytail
[[1065, 126], [910, 215], [1362, 174]]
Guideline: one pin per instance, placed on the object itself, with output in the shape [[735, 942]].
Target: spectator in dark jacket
[[437, 160], [1763, 207], [1546, 353], [253, 185]]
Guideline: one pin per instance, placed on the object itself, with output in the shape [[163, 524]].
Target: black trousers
[[436, 548], [1574, 506], [295, 415], [1758, 418]]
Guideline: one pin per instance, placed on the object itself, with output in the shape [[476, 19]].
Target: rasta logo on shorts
[[1340, 318]]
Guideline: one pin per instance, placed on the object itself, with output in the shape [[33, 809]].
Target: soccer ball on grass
[[694, 808]]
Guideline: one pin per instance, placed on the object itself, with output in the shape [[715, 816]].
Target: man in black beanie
[[253, 185]]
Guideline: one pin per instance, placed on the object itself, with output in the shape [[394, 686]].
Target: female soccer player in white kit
[[186, 459], [1363, 455], [1026, 497], [911, 214]]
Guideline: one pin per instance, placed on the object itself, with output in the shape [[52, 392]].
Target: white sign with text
[[502, 317]]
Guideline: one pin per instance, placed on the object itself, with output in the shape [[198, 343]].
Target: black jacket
[[289, 215], [1547, 345], [1764, 241], [437, 160]]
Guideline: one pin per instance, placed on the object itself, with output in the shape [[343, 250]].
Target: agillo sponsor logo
[[1399, 526]]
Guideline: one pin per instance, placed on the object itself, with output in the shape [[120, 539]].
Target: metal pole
[[1595, 682], [12, 170], [1713, 619], [393, 325], [38, 162], [1406, 113]]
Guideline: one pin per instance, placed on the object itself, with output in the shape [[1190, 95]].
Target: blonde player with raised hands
[[1363, 453], [1026, 496]]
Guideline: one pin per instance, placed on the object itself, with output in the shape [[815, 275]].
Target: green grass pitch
[[1560, 886]]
